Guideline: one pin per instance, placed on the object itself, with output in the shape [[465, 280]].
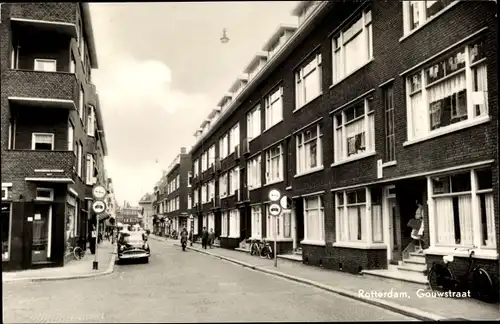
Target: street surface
[[181, 286]]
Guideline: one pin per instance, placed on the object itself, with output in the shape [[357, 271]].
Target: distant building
[[146, 205], [129, 215]]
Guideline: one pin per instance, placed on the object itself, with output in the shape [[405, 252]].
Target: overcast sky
[[162, 68]]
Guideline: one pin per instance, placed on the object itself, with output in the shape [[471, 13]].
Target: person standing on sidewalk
[[204, 238], [93, 238], [211, 237]]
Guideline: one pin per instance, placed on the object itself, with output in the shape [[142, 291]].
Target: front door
[[390, 218], [41, 223]]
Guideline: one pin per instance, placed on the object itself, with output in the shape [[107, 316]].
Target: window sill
[[234, 236], [273, 182], [256, 238], [410, 33], [351, 73], [265, 130], [279, 239], [449, 129], [478, 253], [360, 245], [313, 242], [251, 189], [223, 236], [317, 169], [307, 103], [388, 164], [354, 158], [251, 139]]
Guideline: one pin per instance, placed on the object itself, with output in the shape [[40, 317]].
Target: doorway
[[298, 222], [42, 219], [391, 218]]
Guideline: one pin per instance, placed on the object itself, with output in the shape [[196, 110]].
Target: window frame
[[423, 18], [91, 120], [71, 136], [79, 157], [366, 32], [81, 103], [269, 159], [253, 122], [237, 227], [9, 239], [34, 142], [301, 101], [234, 138], [89, 177], [233, 180], [254, 234], [224, 223], [254, 172], [299, 170], [321, 223], [49, 190], [269, 104], [223, 183], [204, 161], [224, 146], [37, 61], [389, 122]]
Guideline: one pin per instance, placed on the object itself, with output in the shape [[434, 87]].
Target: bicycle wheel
[[440, 278], [482, 285], [264, 252], [270, 254], [78, 253], [254, 250]]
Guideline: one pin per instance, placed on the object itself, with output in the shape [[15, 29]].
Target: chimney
[[183, 150]]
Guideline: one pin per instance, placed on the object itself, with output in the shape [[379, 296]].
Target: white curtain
[[256, 227], [480, 86], [341, 224], [339, 145], [287, 223], [339, 67], [234, 224], [353, 129], [445, 224], [312, 84], [465, 219], [355, 53], [211, 221], [271, 227], [299, 90], [256, 123], [419, 115], [490, 220], [205, 220], [355, 224], [377, 223], [447, 88], [371, 131], [312, 216]]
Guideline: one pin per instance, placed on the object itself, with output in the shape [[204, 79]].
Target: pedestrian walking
[[204, 238], [184, 238], [191, 237], [93, 238], [211, 237]]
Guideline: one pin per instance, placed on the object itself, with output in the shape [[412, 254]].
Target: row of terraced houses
[[361, 113], [52, 137]]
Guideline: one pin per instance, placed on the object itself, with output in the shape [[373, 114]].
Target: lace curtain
[[356, 137], [419, 115], [465, 217], [377, 223], [341, 224], [490, 241], [356, 220], [480, 86], [446, 89]]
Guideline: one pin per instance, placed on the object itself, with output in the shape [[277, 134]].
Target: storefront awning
[[103, 216]]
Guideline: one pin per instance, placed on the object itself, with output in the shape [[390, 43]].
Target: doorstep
[[290, 257], [397, 275]]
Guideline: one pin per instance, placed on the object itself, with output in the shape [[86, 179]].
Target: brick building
[[172, 201], [359, 114], [129, 215], [52, 136], [146, 205]]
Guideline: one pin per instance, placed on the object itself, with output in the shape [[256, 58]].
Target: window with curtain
[[204, 193], [416, 13], [225, 224], [224, 146], [89, 169], [234, 223], [253, 123], [80, 104], [234, 137], [195, 220], [455, 90], [356, 215], [42, 141], [6, 226], [309, 150], [352, 47], [354, 130], [211, 155], [234, 180], [274, 164], [204, 161], [314, 218], [256, 222], [211, 221], [486, 207], [390, 136], [274, 107], [254, 173], [196, 165], [308, 81], [211, 189], [223, 185], [377, 221], [91, 120]]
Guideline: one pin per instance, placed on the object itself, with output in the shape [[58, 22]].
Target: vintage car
[[133, 245]]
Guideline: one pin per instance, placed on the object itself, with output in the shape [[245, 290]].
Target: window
[[274, 164], [90, 169], [80, 104], [234, 138], [274, 108], [352, 47], [211, 156], [71, 136], [458, 200], [5, 192], [6, 230], [205, 221], [195, 220], [79, 159], [195, 197], [309, 151], [253, 123], [223, 147], [45, 65], [196, 165], [177, 202], [190, 179], [416, 13], [354, 131], [234, 180], [254, 173], [225, 224], [211, 189], [204, 193], [308, 82], [256, 222], [282, 224], [452, 90], [223, 185], [390, 139], [204, 161], [190, 202], [314, 219], [42, 141], [211, 221], [234, 223], [91, 121], [46, 194]]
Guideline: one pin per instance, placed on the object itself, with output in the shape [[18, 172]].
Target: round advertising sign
[[99, 192], [274, 195], [98, 207]]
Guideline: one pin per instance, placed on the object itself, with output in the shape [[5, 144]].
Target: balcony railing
[[39, 164]]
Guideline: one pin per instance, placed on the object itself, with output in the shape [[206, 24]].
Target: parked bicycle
[[77, 252], [255, 247], [476, 279], [266, 250]]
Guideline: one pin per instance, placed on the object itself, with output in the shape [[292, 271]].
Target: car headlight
[[122, 248], [146, 246]]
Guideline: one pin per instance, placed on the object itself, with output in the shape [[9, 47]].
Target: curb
[[400, 309], [109, 270]]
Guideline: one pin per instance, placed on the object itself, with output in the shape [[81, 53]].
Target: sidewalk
[[74, 270], [415, 302]]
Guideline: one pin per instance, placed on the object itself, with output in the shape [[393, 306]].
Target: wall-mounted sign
[[30, 219], [274, 195], [274, 209], [38, 216]]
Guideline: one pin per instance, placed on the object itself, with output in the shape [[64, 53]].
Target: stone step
[[412, 267], [290, 257], [417, 255], [242, 250], [398, 275], [415, 260]]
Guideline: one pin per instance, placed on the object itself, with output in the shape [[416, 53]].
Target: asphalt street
[[180, 286]]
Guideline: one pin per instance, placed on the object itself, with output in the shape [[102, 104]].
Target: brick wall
[[51, 11]]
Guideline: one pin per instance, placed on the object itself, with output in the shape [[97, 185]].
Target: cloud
[[146, 121]]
